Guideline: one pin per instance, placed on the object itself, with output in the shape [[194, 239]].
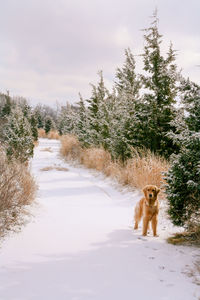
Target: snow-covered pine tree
[[97, 113], [183, 183], [6, 104], [81, 126], [126, 79], [33, 123], [191, 101], [160, 82], [39, 116], [128, 87], [18, 137], [118, 144], [49, 124], [67, 120]]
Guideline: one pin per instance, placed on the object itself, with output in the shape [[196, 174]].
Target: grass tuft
[[190, 237]]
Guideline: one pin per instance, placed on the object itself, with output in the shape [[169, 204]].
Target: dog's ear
[[157, 190], [145, 191]]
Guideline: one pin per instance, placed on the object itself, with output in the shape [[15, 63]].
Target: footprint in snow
[[141, 238]]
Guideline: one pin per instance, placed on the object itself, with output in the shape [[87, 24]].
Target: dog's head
[[151, 193]]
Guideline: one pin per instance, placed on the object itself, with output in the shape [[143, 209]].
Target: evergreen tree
[[127, 82], [67, 120], [5, 105], [49, 124], [191, 100], [119, 146], [98, 122], [18, 136], [183, 183], [81, 128], [33, 124], [160, 82], [128, 87]]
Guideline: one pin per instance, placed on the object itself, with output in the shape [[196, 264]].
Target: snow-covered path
[[80, 244]]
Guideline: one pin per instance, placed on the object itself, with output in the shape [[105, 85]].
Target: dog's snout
[[150, 195]]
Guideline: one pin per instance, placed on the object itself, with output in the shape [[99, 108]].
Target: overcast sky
[[51, 50]]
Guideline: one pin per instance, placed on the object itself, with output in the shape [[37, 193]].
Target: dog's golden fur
[[148, 208]]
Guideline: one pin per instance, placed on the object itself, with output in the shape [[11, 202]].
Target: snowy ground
[[80, 244]]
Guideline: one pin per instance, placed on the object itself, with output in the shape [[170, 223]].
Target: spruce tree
[[18, 137], [183, 183], [128, 87], [190, 93], [67, 120], [98, 120], [160, 81], [33, 124], [81, 128], [49, 124]]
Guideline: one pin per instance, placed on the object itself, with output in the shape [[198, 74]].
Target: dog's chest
[[150, 210]]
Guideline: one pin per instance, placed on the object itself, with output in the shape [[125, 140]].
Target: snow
[[80, 245]]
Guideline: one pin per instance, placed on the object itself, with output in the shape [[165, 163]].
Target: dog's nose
[[150, 195]]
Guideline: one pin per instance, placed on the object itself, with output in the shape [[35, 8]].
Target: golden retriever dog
[[148, 207]]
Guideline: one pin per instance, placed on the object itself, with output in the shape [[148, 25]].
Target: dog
[[148, 208]]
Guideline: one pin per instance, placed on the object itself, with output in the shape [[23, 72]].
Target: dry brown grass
[[17, 189], [48, 149], [144, 168], [189, 237], [41, 133], [95, 158], [36, 143], [53, 134], [70, 147], [58, 168]]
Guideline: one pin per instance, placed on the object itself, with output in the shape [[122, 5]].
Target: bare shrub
[[17, 189], [70, 147]]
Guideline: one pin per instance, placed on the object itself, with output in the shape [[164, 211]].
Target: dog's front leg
[[145, 225], [154, 223]]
